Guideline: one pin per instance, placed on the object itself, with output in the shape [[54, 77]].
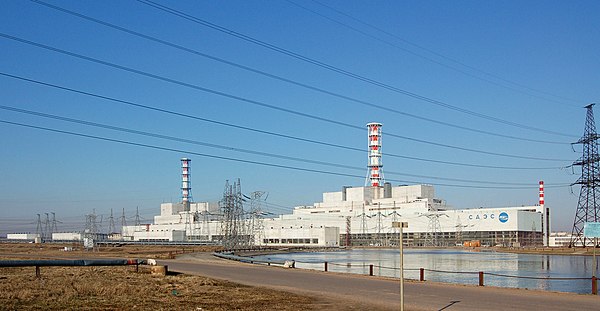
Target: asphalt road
[[374, 293]]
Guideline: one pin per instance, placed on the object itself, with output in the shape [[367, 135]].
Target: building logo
[[503, 217]]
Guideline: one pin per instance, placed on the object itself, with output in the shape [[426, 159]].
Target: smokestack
[[387, 190], [374, 166], [541, 193], [186, 183]]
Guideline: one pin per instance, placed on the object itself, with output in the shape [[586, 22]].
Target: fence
[[478, 275], [232, 256]]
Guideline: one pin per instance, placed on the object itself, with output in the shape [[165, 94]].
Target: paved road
[[364, 292]]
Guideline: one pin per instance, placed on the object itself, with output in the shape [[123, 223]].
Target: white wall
[[332, 196], [66, 236], [21, 236], [300, 236], [169, 235]]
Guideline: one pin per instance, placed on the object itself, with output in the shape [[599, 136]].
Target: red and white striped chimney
[[541, 193], [186, 183], [375, 172]]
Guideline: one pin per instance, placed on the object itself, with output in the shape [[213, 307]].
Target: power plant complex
[[352, 216]]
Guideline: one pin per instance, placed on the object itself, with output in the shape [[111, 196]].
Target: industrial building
[[353, 216], [22, 236], [365, 215]]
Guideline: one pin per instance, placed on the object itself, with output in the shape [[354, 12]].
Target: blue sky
[[531, 63]]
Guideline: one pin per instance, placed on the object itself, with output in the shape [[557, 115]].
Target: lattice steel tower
[[587, 207], [232, 231]]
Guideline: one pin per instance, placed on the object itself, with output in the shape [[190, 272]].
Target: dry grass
[[121, 288], [124, 251]]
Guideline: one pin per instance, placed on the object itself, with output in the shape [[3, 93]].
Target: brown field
[[121, 288]]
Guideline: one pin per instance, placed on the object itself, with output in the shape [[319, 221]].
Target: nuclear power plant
[[351, 216]]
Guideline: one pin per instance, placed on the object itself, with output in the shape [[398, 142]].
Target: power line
[[265, 105], [185, 115], [280, 78], [339, 70], [222, 147], [245, 161], [434, 53]]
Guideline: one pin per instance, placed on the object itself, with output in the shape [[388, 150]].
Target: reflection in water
[[386, 263]]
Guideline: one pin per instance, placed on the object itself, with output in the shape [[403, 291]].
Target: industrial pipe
[[70, 262]]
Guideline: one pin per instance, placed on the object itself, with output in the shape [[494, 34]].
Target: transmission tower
[[138, 222], [434, 228], [39, 231], [256, 213], [459, 231], [123, 221], [232, 211], [395, 232], [205, 231], [47, 227], [188, 224], [91, 225], [54, 228], [111, 223], [363, 225], [587, 206], [379, 226]]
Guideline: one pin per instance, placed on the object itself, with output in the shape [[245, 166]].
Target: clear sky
[[449, 80]]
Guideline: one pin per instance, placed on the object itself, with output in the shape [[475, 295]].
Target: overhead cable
[[245, 128], [229, 148], [283, 79], [265, 105], [355, 29], [288, 167], [342, 71]]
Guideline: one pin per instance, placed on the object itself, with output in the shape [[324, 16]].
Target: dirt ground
[[121, 288]]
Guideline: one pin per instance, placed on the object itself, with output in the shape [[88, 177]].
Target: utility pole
[[588, 206], [401, 226]]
